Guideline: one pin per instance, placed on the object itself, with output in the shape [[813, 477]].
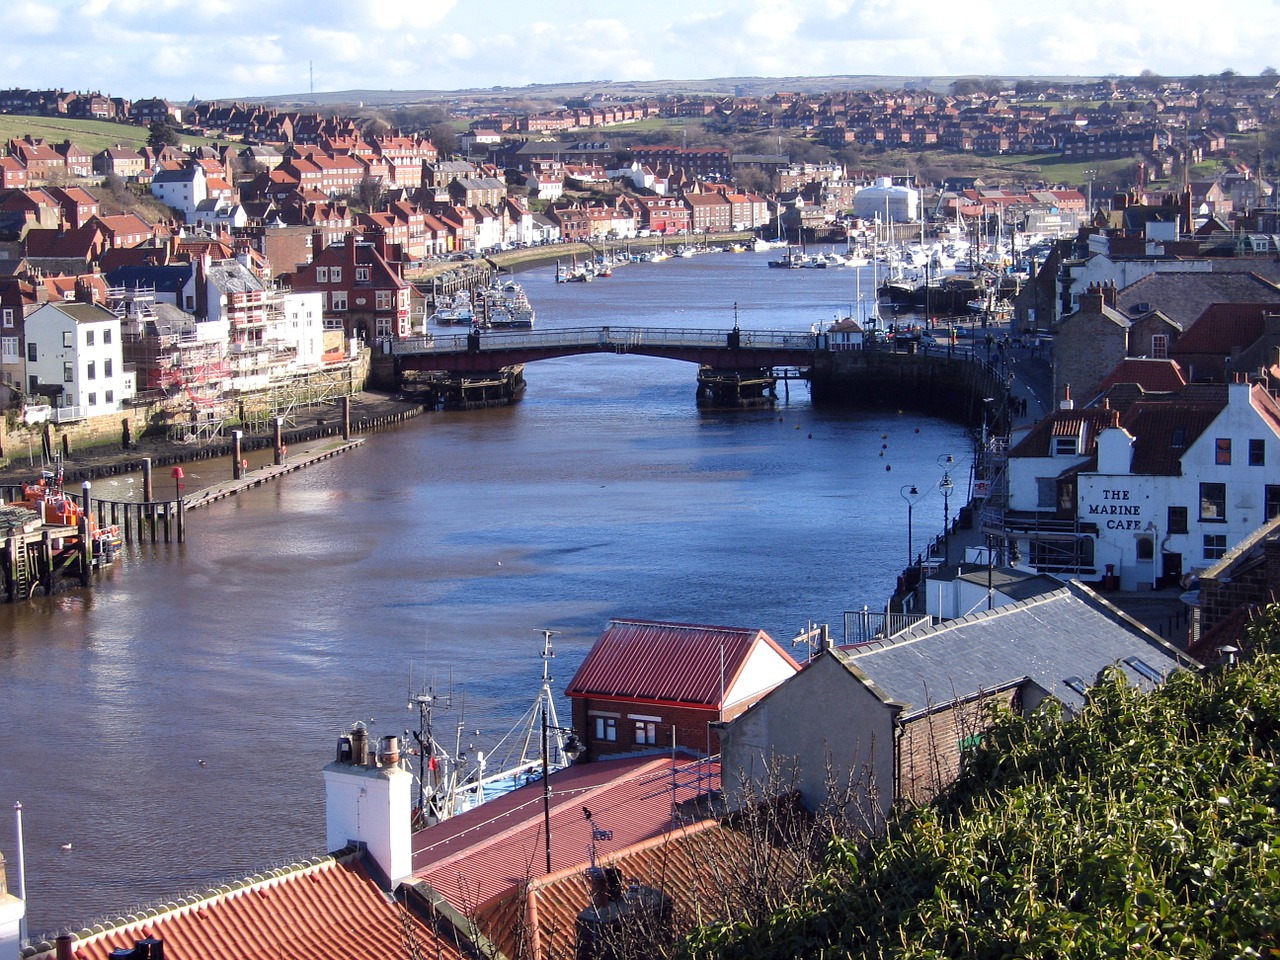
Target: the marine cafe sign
[[1115, 511]]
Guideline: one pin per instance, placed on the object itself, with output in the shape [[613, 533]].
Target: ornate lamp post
[[945, 486], [913, 496]]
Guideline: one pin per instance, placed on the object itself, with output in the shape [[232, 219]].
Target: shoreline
[[370, 411]]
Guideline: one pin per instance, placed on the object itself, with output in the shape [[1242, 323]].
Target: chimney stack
[[1067, 402]]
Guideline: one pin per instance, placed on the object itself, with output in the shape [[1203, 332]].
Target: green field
[[88, 135]]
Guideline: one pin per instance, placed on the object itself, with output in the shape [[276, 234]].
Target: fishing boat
[[452, 780], [457, 312], [506, 306]]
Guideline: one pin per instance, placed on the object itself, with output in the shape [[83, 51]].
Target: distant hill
[[722, 86]]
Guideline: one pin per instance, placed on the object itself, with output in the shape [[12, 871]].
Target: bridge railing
[[605, 337]]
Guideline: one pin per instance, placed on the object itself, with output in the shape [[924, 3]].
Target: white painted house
[[184, 189], [74, 357], [1147, 496]]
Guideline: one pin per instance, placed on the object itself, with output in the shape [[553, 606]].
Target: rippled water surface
[[443, 549]]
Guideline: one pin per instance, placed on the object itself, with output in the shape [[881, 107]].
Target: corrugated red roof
[[327, 910], [478, 857], [675, 663]]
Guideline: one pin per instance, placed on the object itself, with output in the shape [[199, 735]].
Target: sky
[[222, 49]]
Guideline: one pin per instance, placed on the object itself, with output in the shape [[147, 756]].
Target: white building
[[74, 357], [184, 189], [1142, 499], [887, 203]]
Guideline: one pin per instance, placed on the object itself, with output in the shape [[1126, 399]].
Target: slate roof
[[1068, 635], [170, 278], [1184, 296], [673, 663]]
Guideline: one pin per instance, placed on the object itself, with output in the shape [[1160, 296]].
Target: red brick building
[[645, 684]]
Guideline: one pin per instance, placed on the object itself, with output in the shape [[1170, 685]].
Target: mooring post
[[182, 518], [277, 442], [237, 467], [346, 417], [147, 492], [86, 549], [11, 563]]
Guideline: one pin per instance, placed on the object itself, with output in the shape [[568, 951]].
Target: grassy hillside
[[1146, 827], [89, 135]]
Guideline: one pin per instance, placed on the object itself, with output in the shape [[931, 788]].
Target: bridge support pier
[[738, 389]]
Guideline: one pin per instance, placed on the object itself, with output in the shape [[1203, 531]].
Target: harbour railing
[[603, 338]]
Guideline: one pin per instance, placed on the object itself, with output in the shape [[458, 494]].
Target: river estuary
[[171, 723]]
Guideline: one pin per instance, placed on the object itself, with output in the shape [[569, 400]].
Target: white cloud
[[250, 47]]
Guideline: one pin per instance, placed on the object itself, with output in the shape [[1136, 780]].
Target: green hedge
[[1145, 827]]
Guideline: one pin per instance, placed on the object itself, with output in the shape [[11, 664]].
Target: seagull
[[66, 846], [202, 763]]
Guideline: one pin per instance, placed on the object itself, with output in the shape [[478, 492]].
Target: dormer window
[[1066, 446]]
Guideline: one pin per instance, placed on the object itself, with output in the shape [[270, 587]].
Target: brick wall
[[689, 724], [930, 748]]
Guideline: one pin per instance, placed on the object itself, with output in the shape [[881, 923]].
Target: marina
[[443, 544]]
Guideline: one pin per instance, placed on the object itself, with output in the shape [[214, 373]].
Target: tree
[[444, 137], [1143, 825], [162, 133]]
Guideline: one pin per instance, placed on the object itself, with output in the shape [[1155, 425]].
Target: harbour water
[[170, 725]]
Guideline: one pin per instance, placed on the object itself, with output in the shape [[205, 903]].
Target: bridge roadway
[[490, 350]]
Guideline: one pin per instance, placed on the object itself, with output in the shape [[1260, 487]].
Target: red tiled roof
[[480, 856], [327, 910], [673, 663], [702, 863], [1163, 432], [1224, 326], [1154, 376]]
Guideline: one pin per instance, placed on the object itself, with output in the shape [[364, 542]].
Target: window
[[88, 338], [68, 373], [111, 396], [1257, 453], [1215, 545], [1213, 501], [338, 300], [1146, 548], [68, 338], [383, 299], [106, 367], [106, 336], [1177, 519], [322, 274], [93, 399], [8, 316], [1159, 346], [335, 274], [31, 353], [1222, 451], [362, 274], [1179, 439], [91, 371], [646, 733], [1065, 446], [606, 729], [9, 349], [1273, 501], [1046, 493]]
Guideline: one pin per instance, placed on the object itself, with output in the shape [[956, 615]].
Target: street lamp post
[[913, 496], [945, 486]]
